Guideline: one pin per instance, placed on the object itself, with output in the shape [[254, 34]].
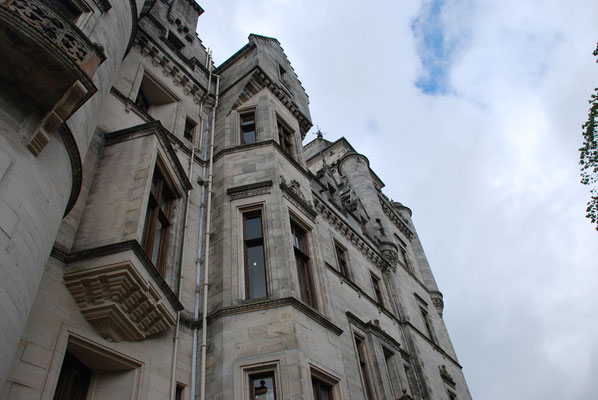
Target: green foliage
[[588, 157]]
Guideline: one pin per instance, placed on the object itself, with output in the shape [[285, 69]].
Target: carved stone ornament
[[438, 304], [446, 377], [54, 27], [118, 302]]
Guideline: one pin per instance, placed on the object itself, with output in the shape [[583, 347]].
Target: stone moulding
[[118, 302], [292, 193], [253, 189], [61, 33]]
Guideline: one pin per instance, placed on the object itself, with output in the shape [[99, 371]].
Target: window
[[189, 129], [341, 259], [179, 392], [405, 258], [174, 41], [300, 246], [410, 378], [282, 73], [363, 366], [74, 379], [255, 265], [285, 138], [322, 390], [391, 370], [377, 290], [248, 128], [158, 221], [262, 386], [155, 99], [428, 323]]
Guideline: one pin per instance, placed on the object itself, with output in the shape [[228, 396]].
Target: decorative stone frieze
[[254, 189], [437, 301], [118, 302], [356, 240], [292, 192], [61, 32]]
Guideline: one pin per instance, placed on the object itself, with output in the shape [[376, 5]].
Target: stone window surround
[[246, 213], [70, 338], [236, 117], [242, 209], [328, 378], [295, 220], [265, 367]]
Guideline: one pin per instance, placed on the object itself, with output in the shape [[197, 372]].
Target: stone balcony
[[47, 64]]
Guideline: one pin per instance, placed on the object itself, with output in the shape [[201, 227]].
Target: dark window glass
[[158, 222], [189, 129], [248, 128], [306, 284], [322, 390], [285, 138], [261, 387], [73, 382], [255, 265], [179, 392], [377, 290], [141, 101], [428, 324], [341, 258]]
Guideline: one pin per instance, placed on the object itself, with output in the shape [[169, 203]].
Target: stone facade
[[127, 159]]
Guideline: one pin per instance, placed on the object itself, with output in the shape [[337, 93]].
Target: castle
[[165, 234]]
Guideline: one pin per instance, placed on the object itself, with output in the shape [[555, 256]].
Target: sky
[[470, 111]]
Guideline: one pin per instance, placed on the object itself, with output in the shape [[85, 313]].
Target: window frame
[[361, 353], [260, 369], [156, 213], [253, 242], [300, 243], [378, 292], [242, 132], [342, 259], [190, 122], [286, 137], [427, 323]]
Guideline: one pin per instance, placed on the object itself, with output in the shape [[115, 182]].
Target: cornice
[[396, 219]]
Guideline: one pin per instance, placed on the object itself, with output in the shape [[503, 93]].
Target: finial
[[319, 134]]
